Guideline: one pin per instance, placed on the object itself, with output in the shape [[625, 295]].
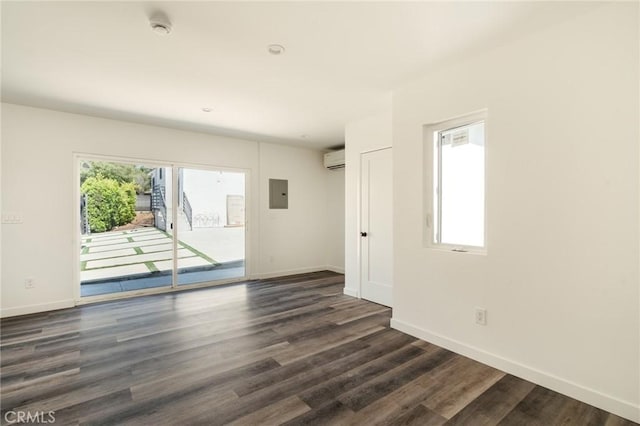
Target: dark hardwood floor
[[281, 351]]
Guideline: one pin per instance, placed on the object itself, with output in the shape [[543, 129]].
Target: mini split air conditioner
[[334, 160]]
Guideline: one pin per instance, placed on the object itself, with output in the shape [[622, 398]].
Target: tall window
[[458, 204]]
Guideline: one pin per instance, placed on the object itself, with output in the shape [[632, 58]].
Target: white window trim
[[428, 179]]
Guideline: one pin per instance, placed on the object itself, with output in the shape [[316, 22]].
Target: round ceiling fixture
[[275, 49], [205, 109], [160, 24]]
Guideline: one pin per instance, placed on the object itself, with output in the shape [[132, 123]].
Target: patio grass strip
[[151, 266], [198, 253], [117, 244], [138, 250], [194, 250], [85, 250], [130, 239], [83, 265], [129, 255], [138, 263]]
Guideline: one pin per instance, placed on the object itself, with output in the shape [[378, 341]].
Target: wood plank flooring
[[288, 351]]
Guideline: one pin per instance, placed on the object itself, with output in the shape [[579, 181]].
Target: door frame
[[174, 165]]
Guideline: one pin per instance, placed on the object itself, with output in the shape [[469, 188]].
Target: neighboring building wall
[[207, 192], [561, 277]]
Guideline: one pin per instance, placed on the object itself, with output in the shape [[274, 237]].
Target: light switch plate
[[11, 218]]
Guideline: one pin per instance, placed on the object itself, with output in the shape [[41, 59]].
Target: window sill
[[460, 250]]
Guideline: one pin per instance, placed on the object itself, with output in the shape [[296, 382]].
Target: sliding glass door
[[210, 225], [144, 226], [125, 242]]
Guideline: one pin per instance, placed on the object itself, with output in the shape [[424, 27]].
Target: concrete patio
[[141, 258]]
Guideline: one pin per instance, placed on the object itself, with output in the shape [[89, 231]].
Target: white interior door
[[376, 227]]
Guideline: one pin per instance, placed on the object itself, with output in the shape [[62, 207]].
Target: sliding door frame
[[174, 166]]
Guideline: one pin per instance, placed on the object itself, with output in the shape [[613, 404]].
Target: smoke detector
[[275, 49], [160, 24]]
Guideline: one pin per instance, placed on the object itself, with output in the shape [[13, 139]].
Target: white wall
[[301, 230], [364, 135], [561, 277], [1, 210], [335, 220], [38, 183]]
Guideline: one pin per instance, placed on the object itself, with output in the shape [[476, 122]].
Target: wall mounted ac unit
[[334, 160]]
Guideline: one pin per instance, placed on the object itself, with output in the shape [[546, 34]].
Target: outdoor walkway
[[142, 258]]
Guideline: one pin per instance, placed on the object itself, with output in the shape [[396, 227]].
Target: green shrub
[[127, 208], [109, 203]]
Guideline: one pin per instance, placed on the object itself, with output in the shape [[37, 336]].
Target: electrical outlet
[[29, 282], [481, 316]]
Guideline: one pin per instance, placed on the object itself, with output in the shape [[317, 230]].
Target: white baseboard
[[593, 397], [351, 292], [336, 269], [284, 273], [40, 307]]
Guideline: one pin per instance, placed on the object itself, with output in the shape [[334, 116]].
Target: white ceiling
[[341, 63]]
